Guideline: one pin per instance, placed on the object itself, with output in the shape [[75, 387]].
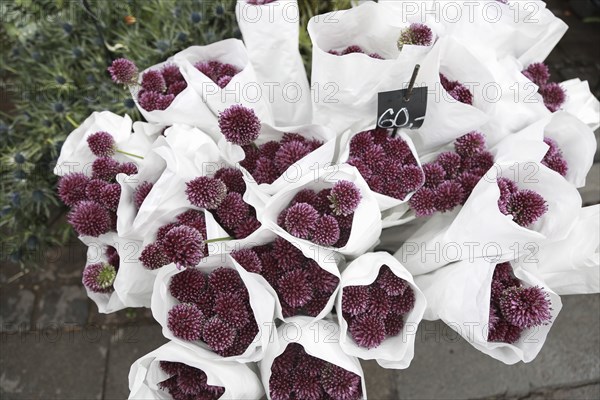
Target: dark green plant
[[53, 75]]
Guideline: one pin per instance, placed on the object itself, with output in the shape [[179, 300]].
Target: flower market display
[[246, 209]]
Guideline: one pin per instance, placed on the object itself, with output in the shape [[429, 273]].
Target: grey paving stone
[[62, 305], [590, 194], [447, 367], [16, 306], [127, 345], [587, 392], [379, 381], [51, 364]]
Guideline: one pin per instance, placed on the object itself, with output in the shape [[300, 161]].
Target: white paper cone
[[319, 338], [270, 34], [366, 225], [239, 381], [459, 294], [394, 352], [581, 102], [261, 301]]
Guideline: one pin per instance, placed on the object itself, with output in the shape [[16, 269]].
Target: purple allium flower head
[[152, 257], [300, 220], [186, 321], [434, 175], [187, 285], [322, 203], [341, 384], [462, 93], [287, 255], [218, 335], [171, 74], [361, 166], [99, 277], [163, 230], [525, 307], [448, 195], [269, 149], [292, 137], [101, 144], [94, 188], [355, 300], [280, 387], [251, 156], [224, 81], [307, 196], [72, 188], [399, 150], [416, 34], [404, 303], [191, 381], [411, 178], [232, 211], [123, 71], [469, 144], [526, 207], [112, 256], [554, 96], [184, 246], [556, 163], [393, 324], [326, 231], [206, 192], [379, 301], [248, 259], [423, 202], [152, 101], [352, 49], [393, 285], [368, 330], [224, 280], [170, 368], [194, 219], [206, 301], [322, 281], [374, 156], [451, 162], [110, 196], [128, 168], [289, 153], [538, 73], [232, 309], [294, 289], [360, 143], [153, 81], [467, 182], [239, 125], [246, 228], [232, 178], [266, 171], [507, 188], [345, 197], [307, 387], [89, 218], [105, 168], [141, 192], [479, 163], [177, 88], [553, 146]]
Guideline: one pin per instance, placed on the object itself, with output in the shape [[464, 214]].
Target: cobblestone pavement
[[55, 345]]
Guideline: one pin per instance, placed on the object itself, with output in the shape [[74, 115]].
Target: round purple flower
[[448, 195], [403, 303], [153, 81], [265, 171], [176, 88], [94, 188], [232, 178], [416, 34], [102, 144], [141, 192], [467, 182], [345, 197], [538, 73], [423, 202], [411, 178], [225, 279], [434, 175], [163, 230], [110, 196], [289, 153], [322, 203], [218, 335], [368, 330], [360, 143], [170, 368], [152, 101], [525, 307], [462, 93], [469, 144], [373, 156], [224, 81], [451, 162], [206, 192], [186, 321], [307, 196], [187, 285], [194, 219], [322, 281], [248, 259], [99, 277], [232, 308], [479, 163], [72, 188], [300, 220], [554, 96], [123, 71], [326, 231], [184, 246], [361, 166], [112, 256], [294, 289], [393, 285], [171, 74], [352, 49], [526, 207], [287, 255], [152, 257], [232, 211], [308, 387], [341, 384], [128, 168], [398, 149], [246, 228], [90, 219], [239, 125], [393, 324], [191, 380], [105, 168], [355, 300], [556, 163]]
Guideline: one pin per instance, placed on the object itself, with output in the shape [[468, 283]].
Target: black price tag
[[395, 110]]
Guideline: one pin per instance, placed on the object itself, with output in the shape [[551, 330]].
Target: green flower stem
[[223, 239], [129, 154]]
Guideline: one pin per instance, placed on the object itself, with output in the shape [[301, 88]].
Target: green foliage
[[53, 75]]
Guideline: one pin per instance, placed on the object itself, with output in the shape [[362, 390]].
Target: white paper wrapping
[[572, 266], [239, 381], [271, 34], [459, 294], [366, 225], [261, 301], [581, 102], [319, 338], [394, 352], [479, 229]]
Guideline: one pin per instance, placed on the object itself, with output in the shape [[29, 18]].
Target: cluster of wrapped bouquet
[[249, 209]]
